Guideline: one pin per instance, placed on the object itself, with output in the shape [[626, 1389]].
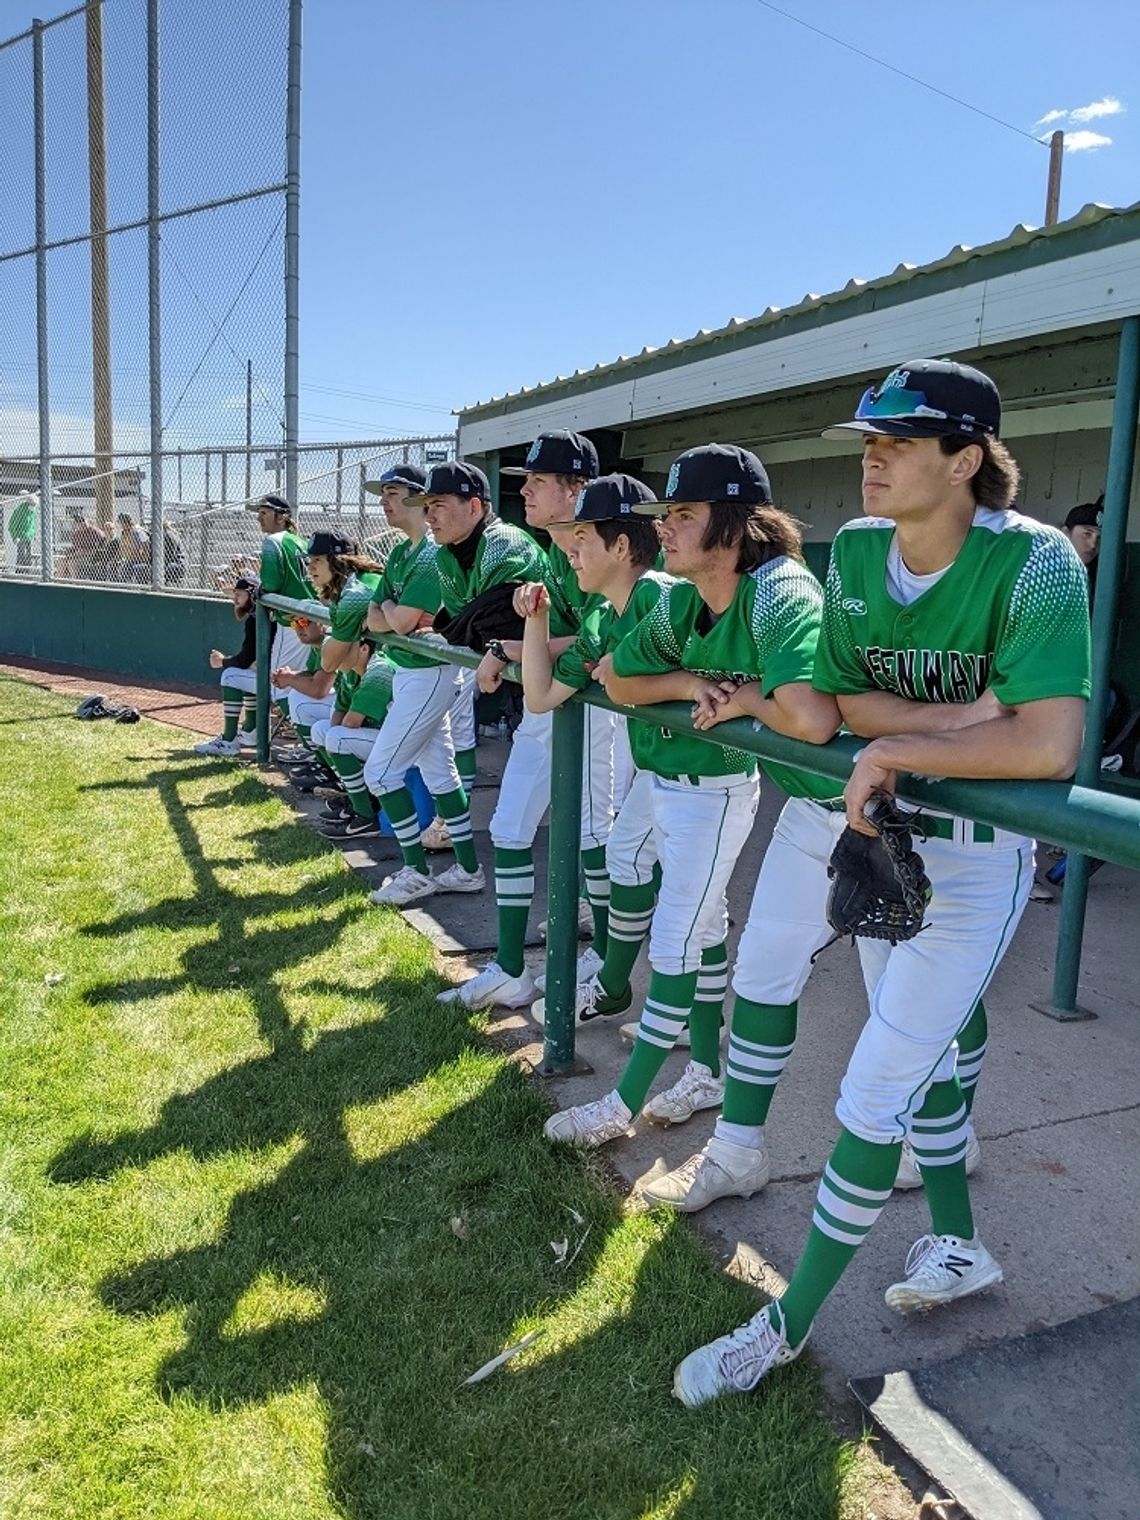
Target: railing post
[[1110, 563], [264, 639], [562, 888]]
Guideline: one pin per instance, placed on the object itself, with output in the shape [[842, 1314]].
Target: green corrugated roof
[[1093, 226]]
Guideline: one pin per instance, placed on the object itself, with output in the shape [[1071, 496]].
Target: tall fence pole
[[47, 516], [292, 253], [562, 888], [248, 429], [1110, 563], [154, 299], [100, 301]]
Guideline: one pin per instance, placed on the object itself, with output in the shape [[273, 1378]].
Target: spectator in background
[[85, 557], [134, 550], [1082, 529], [22, 525]]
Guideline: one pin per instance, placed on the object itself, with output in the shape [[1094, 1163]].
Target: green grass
[[234, 1139]]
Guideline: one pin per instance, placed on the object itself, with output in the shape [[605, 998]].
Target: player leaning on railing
[[744, 622], [612, 551], [956, 639], [557, 466]]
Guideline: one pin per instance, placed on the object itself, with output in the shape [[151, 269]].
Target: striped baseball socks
[[760, 1040], [456, 813], [514, 891], [232, 699], [708, 1007], [598, 893], [465, 765], [350, 769], [856, 1183], [401, 812], [972, 1053], [631, 913], [665, 1014], [938, 1139]]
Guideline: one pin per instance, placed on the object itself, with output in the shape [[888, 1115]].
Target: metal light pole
[[292, 252], [100, 304], [47, 520], [154, 307]]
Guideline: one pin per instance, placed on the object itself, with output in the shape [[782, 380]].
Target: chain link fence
[[142, 251], [208, 533]]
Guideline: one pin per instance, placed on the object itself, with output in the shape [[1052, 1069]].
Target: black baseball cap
[[457, 479], [248, 583], [327, 543], [410, 475], [715, 472], [609, 499], [1089, 514], [558, 453], [927, 398], [273, 502]]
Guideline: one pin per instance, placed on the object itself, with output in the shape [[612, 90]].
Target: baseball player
[[347, 737], [612, 551], [283, 572], [463, 554], [955, 639], [747, 612], [239, 674], [557, 466]]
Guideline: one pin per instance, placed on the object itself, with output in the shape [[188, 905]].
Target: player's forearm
[[538, 665], [795, 709], [1018, 747], [403, 620], [318, 684], [334, 654], [873, 714], [376, 622], [640, 691]]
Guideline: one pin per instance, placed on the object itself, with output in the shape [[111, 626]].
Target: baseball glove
[[879, 887]]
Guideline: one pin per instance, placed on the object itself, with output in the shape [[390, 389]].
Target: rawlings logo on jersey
[[854, 606], [928, 675]]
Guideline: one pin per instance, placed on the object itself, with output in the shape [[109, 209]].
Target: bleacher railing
[[1078, 818]]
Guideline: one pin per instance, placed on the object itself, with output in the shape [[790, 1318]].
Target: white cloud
[[1109, 106], [1050, 117], [1081, 142], [71, 433]]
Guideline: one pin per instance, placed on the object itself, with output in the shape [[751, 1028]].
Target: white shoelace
[[750, 1352]]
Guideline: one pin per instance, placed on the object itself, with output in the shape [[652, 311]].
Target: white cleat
[[247, 738], [407, 886], [456, 879], [589, 964], [435, 836], [591, 1002], [722, 1170], [939, 1269], [695, 1089], [590, 1124], [909, 1175], [734, 1363], [492, 986], [218, 746]]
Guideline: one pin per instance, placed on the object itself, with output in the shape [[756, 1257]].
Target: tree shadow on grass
[[345, 1273]]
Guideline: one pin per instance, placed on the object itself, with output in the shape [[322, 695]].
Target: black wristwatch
[[495, 647]]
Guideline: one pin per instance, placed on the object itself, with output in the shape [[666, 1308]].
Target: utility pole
[[1053, 193], [100, 304]]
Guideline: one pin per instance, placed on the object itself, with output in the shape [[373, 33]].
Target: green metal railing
[[1084, 821]]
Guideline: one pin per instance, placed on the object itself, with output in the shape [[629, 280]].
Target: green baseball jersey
[[373, 695], [505, 553], [767, 634], [604, 627], [312, 659], [283, 568], [344, 688], [1010, 614], [411, 579], [569, 604], [351, 607]]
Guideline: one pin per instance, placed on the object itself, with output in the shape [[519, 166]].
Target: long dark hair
[[344, 567], [998, 478], [757, 533]]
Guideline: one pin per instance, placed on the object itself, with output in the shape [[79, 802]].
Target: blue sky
[[497, 193]]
